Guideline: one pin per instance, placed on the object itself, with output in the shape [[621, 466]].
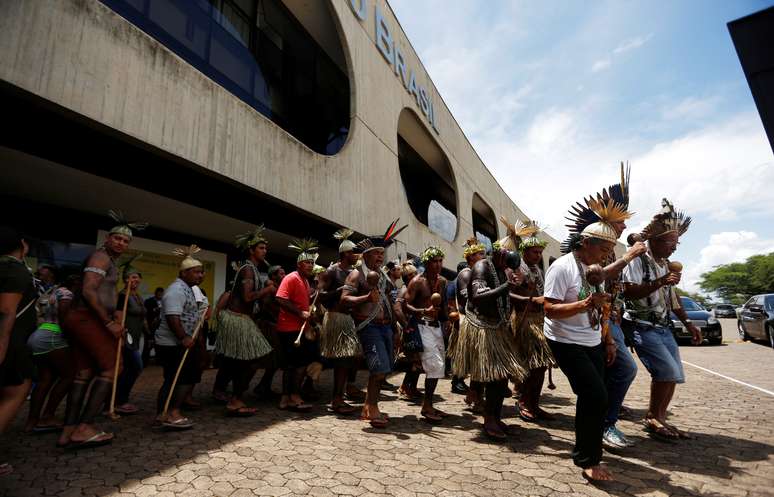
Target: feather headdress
[[123, 226], [609, 212], [127, 268], [306, 248], [512, 239], [529, 238], [667, 221], [187, 254], [250, 239], [346, 244], [473, 246], [581, 215], [381, 242]]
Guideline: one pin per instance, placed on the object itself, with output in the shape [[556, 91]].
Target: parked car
[[757, 318], [724, 311], [709, 325]]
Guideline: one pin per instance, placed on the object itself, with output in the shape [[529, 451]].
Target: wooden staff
[[297, 343], [182, 361], [112, 411]]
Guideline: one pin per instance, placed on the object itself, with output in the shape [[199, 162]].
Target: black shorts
[[169, 356], [301, 356]]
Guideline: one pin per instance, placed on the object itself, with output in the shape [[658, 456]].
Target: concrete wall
[[84, 57]]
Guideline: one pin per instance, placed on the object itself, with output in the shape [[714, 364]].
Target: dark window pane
[[262, 54]]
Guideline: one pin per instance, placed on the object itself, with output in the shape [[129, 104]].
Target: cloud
[[623, 47], [601, 65], [690, 108], [723, 248], [632, 43]]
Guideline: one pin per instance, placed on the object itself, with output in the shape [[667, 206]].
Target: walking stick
[[199, 324], [112, 411], [297, 343]]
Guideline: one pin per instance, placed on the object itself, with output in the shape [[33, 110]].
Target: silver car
[[756, 319]]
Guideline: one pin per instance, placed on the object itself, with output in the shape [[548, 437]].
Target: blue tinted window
[[258, 51]]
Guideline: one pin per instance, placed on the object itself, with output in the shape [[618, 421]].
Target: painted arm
[[348, 296]]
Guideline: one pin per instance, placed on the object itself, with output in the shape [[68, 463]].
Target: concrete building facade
[[206, 117]]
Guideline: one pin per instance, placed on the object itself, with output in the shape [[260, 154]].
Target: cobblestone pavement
[[319, 454]]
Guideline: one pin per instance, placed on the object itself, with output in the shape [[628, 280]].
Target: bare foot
[[597, 473]]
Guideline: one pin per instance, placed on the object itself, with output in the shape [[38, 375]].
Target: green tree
[[739, 280]]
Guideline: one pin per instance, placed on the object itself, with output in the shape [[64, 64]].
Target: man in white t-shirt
[[650, 298], [573, 325]]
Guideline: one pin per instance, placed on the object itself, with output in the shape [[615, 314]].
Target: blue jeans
[[618, 376], [132, 369], [658, 351], [378, 348]]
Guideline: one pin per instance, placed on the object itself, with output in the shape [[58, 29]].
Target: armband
[[96, 270]]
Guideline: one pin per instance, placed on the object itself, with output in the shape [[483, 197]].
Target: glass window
[[431, 199], [261, 53], [690, 305]]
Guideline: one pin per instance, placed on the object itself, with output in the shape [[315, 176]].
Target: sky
[[553, 95]]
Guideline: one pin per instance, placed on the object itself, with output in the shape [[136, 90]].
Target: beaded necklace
[[585, 291]]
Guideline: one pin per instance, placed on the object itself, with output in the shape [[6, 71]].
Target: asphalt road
[[749, 362]]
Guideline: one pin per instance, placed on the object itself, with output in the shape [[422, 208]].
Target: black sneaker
[[386, 385]]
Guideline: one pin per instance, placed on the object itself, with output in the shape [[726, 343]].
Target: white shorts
[[434, 353]]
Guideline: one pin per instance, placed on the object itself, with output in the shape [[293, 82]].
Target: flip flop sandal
[[299, 407], [496, 436], [529, 418], [441, 413], [89, 443], [431, 417], [241, 412], [179, 424], [127, 412], [661, 433], [682, 435], [380, 422], [343, 409], [5, 469]]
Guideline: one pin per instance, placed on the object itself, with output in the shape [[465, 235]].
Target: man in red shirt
[[293, 297]]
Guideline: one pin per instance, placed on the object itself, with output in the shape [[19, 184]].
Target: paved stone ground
[[276, 453]]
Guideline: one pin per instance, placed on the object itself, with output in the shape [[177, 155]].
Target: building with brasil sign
[[206, 118]]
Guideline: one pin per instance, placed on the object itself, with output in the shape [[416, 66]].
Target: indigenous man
[[426, 302], [368, 293], [180, 316], [473, 252], [621, 373], [269, 312], [240, 342], [527, 322], [650, 297], [92, 327], [485, 348], [408, 388], [572, 301], [294, 300], [338, 339]]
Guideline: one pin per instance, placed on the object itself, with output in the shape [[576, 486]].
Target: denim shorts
[[658, 351], [377, 348]]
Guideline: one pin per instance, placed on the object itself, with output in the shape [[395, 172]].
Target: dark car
[[724, 311], [709, 325], [756, 319]]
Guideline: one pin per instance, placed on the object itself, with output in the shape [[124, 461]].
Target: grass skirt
[[454, 338], [531, 344], [486, 352], [338, 338], [239, 337]]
